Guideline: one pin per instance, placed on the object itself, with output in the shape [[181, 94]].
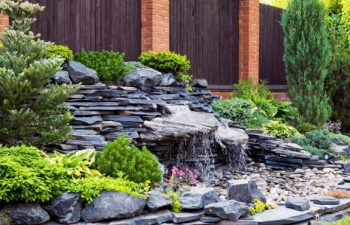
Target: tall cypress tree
[[307, 56], [31, 109]]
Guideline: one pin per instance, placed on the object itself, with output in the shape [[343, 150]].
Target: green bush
[[307, 56], [138, 165], [108, 64], [319, 139], [242, 111], [168, 62], [59, 51], [280, 130], [306, 127], [27, 175], [91, 187], [286, 112]]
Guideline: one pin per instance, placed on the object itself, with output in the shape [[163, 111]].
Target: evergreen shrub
[[59, 51], [137, 165], [109, 65], [280, 130]]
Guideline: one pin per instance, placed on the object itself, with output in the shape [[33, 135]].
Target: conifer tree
[[307, 56], [31, 109]]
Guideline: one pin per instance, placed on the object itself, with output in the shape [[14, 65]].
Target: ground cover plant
[[32, 112], [109, 65], [344, 221]]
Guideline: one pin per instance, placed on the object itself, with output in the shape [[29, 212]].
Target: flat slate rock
[[281, 216], [300, 204], [345, 186], [187, 217], [326, 209], [325, 200], [155, 218]]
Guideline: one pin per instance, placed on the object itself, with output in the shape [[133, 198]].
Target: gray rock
[[198, 198], [347, 167], [210, 219], [26, 213], [168, 79], [345, 187], [341, 149], [201, 83], [230, 210], [65, 208], [244, 191], [81, 74], [143, 78], [323, 200], [87, 120], [159, 217], [62, 77], [187, 217], [158, 200], [300, 204], [113, 205]]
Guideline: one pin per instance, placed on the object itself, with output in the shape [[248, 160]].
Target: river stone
[[81, 74], [168, 79], [201, 83], [62, 77], [300, 204], [244, 191], [324, 200], [26, 213], [143, 78], [230, 210], [158, 200], [113, 205], [65, 208], [198, 198]]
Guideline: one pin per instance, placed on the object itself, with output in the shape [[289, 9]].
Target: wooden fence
[[271, 47], [92, 24], [207, 32]]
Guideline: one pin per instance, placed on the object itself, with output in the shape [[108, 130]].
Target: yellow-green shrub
[[59, 51]]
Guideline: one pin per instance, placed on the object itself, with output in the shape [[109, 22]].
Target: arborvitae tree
[[307, 56], [31, 109]]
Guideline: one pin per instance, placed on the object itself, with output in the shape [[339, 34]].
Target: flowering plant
[[179, 177]]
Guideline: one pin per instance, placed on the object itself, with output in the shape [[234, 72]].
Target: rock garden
[[87, 138]]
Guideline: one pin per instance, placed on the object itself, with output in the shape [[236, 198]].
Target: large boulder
[[26, 213], [198, 197], [65, 208], [113, 205], [244, 191], [81, 74], [230, 210], [158, 200], [62, 77], [300, 204], [143, 78]]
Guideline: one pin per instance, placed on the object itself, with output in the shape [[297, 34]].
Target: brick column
[[4, 21], [249, 26], [155, 23]]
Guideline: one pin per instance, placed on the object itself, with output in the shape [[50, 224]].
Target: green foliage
[[176, 203], [259, 207], [306, 127], [314, 150], [138, 165], [286, 112], [280, 130], [241, 111], [247, 89], [344, 221], [31, 111], [27, 175], [319, 139], [91, 187], [307, 56], [59, 51], [108, 64], [168, 62], [77, 163]]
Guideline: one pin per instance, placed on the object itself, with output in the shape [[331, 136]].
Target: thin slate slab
[[187, 217], [325, 209], [281, 216]]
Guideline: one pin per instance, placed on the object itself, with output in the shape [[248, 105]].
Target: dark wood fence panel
[[271, 46], [92, 24], [207, 32]]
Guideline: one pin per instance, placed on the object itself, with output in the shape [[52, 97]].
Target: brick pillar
[[4, 21], [249, 27], [155, 23]]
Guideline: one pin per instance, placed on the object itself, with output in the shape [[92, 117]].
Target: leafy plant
[[108, 64], [168, 62], [280, 130], [306, 127], [27, 175], [176, 206], [91, 187], [307, 56], [77, 163], [286, 112], [138, 165], [31, 111], [179, 177], [59, 51], [259, 207]]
